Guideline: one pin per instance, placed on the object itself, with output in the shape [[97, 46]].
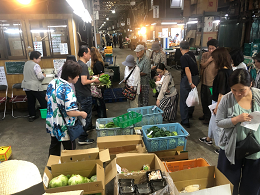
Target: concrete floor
[[30, 142]]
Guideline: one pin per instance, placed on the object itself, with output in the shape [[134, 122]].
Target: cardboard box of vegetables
[[83, 175]]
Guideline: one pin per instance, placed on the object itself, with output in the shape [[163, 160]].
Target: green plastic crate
[[43, 112], [127, 119]]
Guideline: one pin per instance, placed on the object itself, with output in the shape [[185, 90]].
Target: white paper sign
[[3, 80], [64, 48], [17, 45], [119, 170], [58, 63], [156, 11], [45, 180], [128, 21], [208, 24], [37, 45], [165, 32], [56, 41], [254, 123]]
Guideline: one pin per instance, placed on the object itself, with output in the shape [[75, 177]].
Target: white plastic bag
[[193, 98]]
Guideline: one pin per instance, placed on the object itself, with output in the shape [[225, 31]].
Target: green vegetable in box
[[110, 125], [159, 132], [58, 181], [77, 179]]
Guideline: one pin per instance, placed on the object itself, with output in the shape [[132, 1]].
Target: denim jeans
[[101, 108], [86, 105]]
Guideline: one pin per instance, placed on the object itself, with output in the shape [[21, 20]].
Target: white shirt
[[134, 79], [241, 65]]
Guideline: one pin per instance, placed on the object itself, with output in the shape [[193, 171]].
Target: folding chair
[[17, 98], [4, 99]]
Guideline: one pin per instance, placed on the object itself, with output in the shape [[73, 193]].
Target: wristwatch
[[190, 84]]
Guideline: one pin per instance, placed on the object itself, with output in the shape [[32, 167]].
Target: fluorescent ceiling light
[[181, 24], [153, 24], [16, 24], [147, 25], [165, 23], [192, 22], [226, 15], [107, 18], [79, 9], [113, 11], [105, 22], [13, 31], [216, 21], [59, 26], [4, 24], [41, 31]]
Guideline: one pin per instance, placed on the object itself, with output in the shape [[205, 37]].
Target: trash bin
[[116, 76]]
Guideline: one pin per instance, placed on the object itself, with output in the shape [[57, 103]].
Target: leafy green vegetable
[[101, 126], [58, 181], [77, 179], [91, 73], [105, 80], [93, 178], [110, 125], [160, 132], [152, 84], [154, 90]]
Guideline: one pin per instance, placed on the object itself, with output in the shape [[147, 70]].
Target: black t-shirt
[[83, 90], [98, 68], [189, 60], [220, 83]]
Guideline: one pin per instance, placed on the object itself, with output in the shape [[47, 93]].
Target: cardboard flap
[[104, 155], [110, 171], [53, 160], [194, 173], [100, 174], [78, 152], [221, 179]]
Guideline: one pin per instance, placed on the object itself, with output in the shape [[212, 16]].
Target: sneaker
[[32, 118], [216, 151], [204, 140], [87, 141], [187, 125]]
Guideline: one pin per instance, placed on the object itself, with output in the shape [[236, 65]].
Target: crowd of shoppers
[[226, 85]]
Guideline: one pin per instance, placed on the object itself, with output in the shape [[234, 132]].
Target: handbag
[[249, 145], [73, 131], [95, 91], [128, 91]]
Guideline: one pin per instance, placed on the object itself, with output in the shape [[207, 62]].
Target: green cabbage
[[58, 181], [93, 178], [77, 179]]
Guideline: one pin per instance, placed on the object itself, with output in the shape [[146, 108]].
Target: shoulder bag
[[128, 91], [95, 91], [249, 145], [73, 131]]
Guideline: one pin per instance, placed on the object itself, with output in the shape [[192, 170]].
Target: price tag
[[119, 170], [45, 180], [150, 133]]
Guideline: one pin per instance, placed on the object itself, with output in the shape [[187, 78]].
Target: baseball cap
[[139, 48]]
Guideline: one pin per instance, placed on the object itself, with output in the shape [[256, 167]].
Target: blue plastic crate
[[118, 94], [101, 132], [109, 96], [109, 59], [166, 143], [152, 115]]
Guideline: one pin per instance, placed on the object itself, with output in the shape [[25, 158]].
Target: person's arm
[[38, 71], [205, 62], [84, 77], [219, 99], [164, 88], [225, 121], [163, 58], [75, 113], [188, 74]]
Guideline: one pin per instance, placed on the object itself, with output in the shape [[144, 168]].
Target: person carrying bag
[[132, 81]]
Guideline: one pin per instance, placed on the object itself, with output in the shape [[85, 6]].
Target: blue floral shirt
[[63, 96]]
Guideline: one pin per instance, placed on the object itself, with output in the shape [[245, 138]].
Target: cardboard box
[[85, 154], [207, 6], [132, 162], [206, 37], [122, 144], [5, 153], [206, 177], [173, 155], [79, 155], [84, 168]]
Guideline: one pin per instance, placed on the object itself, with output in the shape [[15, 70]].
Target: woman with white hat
[[133, 81]]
